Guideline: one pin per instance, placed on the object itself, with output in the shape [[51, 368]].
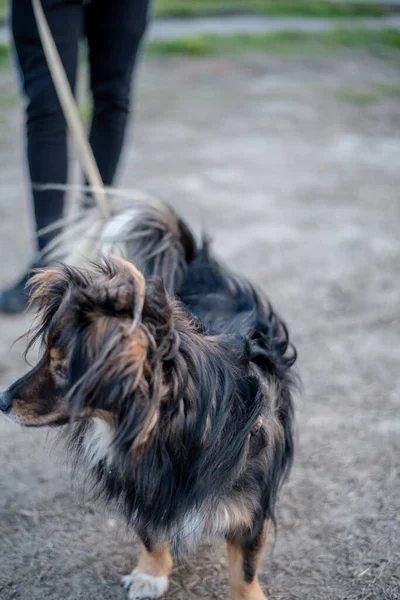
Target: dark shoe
[[15, 298]]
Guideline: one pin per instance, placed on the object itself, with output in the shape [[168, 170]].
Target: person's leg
[[45, 124], [114, 34]]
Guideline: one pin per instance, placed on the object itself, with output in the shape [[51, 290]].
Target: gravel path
[[299, 191]]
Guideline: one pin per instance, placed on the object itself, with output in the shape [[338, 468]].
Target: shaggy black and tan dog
[[174, 378]]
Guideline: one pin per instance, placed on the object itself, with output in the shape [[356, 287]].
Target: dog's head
[[104, 335]]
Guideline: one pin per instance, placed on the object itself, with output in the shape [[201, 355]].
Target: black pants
[[114, 29]]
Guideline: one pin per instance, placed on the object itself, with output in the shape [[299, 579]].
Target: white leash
[[70, 110]]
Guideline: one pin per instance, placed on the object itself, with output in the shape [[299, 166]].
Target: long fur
[[182, 389]]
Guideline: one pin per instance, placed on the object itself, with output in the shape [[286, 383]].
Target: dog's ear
[[126, 334], [48, 287], [131, 289], [118, 291], [50, 284], [116, 369]]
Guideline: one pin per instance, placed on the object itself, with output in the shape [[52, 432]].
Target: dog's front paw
[[141, 585]]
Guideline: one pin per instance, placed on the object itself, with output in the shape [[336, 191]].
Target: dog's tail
[[155, 239]]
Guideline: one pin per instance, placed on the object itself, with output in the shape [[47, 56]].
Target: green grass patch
[[371, 95], [85, 109], [300, 8], [9, 100], [358, 96], [388, 89], [4, 4], [194, 45], [383, 43], [4, 55]]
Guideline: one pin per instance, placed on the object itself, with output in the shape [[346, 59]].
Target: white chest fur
[[98, 442]]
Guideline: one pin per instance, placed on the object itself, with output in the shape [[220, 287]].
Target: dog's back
[[161, 244]]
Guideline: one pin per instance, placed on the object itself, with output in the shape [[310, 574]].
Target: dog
[[174, 379]]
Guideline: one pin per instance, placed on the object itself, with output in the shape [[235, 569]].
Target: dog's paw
[[142, 585]]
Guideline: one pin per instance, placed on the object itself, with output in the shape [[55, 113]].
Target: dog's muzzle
[[5, 401]]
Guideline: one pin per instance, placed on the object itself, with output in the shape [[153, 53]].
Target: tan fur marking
[[149, 427], [42, 276], [138, 345], [135, 354], [157, 563], [98, 413], [39, 283], [57, 362], [55, 354], [140, 284], [240, 589], [26, 415]]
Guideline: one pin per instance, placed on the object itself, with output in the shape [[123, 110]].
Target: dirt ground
[[300, 191]]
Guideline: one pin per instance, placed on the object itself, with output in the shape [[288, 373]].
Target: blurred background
[[273, 125]]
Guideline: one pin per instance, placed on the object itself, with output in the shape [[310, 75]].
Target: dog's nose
[[5, 401]]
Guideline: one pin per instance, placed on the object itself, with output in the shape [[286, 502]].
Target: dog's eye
[[60, 372]]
